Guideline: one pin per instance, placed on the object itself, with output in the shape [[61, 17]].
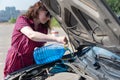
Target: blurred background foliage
[[54, 23], [12, 20], [114, 5]]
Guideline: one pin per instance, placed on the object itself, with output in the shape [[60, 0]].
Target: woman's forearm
[[40, 37]]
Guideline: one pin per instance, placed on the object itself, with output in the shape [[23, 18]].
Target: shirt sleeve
[[21, 22]]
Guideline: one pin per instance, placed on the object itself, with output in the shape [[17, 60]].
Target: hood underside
[[87, 22]]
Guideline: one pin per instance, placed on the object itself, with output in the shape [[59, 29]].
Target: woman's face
[[43, 16]]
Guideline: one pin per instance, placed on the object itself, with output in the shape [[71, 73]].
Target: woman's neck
[[36, 23]]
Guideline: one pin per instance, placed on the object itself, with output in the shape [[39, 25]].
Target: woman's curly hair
[[33, 12]]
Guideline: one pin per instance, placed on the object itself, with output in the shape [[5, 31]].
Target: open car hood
[[87, 22]]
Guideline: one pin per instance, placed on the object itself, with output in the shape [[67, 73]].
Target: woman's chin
[[43, 22]]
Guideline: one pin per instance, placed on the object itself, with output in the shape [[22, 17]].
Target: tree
[[12, 20], [115, 5]]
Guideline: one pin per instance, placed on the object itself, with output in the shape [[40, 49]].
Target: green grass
[[54, 23]]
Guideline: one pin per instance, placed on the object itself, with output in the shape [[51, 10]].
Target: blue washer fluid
[[49, 53]]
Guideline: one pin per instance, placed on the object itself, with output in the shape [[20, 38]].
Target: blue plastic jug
[[49, 53]]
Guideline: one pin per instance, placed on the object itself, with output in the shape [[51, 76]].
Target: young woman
[[30, 31]]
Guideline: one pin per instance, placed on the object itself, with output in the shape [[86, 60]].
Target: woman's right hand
[[62, 39]]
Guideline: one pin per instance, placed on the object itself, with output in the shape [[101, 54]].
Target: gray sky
[[19, 4]]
